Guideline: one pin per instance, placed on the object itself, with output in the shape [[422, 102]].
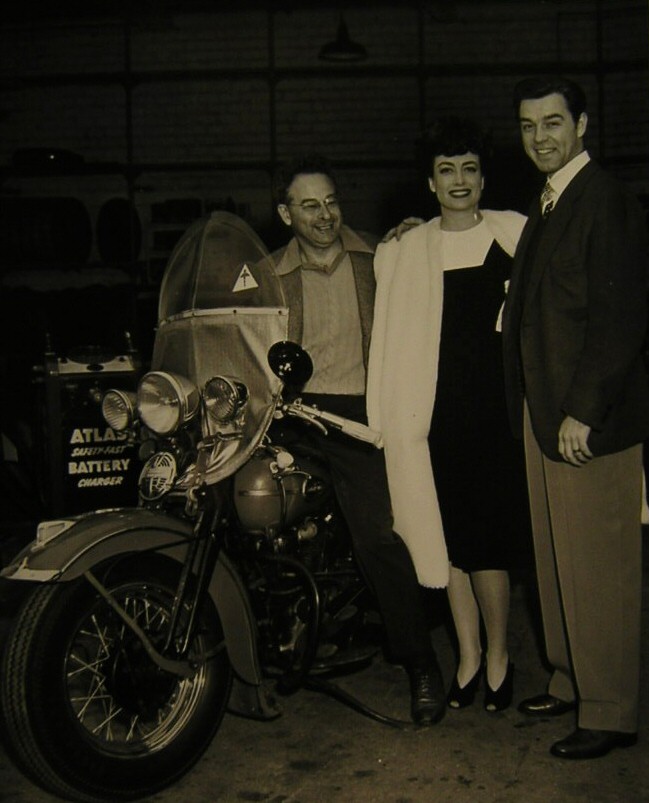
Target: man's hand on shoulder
[[397, 232]]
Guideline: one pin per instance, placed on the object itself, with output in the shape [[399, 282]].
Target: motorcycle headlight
[[165, 401], [224, 398], [118, 409]]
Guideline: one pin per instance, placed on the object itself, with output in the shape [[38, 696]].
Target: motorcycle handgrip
[[362, 433], [351, 428]]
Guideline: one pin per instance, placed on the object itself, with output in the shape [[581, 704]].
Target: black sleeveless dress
[[479, 467]]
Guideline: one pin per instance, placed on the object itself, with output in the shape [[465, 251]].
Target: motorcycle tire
[[85, 712]]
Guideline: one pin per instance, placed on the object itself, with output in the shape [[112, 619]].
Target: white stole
[[402, 377]]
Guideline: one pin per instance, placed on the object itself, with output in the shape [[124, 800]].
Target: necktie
[[547, 199]]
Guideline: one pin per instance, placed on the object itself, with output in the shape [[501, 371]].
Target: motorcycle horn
[[290, 362]]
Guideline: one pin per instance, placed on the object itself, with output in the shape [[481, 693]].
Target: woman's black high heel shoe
[[463, 696], [501, 698]]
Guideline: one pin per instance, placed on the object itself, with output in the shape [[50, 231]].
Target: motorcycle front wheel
[[86, 713]]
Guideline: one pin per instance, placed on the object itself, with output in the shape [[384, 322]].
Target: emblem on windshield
[[245, 281]]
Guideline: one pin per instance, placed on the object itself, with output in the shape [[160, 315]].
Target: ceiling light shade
[[342, 48]]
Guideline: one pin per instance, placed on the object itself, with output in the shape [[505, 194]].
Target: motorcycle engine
[[272, 490]]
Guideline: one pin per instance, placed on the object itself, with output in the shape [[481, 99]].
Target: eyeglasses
[[312, 206]]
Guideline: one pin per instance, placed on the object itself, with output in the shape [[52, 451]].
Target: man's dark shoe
[[545, 705], [427, 695], [585, 743]]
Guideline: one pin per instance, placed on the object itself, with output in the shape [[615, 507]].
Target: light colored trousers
[[588, 549]]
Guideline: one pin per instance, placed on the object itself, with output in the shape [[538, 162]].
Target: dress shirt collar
[[560, 180], [292, 257]]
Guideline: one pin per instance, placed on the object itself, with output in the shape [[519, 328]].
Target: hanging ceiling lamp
[[342, 48]]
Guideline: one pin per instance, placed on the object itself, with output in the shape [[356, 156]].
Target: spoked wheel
[[86, 713]]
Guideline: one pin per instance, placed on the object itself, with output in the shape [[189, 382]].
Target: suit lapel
[[553, 229]]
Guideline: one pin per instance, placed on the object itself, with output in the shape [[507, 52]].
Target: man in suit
[[573, 330], [327, 275]]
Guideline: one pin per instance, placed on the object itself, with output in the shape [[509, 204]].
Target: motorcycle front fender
[[85, 541]]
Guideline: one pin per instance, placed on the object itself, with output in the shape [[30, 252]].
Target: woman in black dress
[[478, 467], [436, 347]]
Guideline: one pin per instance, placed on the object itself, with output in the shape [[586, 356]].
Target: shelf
[[278, 74]]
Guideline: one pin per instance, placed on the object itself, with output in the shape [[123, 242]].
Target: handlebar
[[316, 416]]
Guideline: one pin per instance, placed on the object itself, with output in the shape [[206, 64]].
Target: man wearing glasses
[[327, 273]]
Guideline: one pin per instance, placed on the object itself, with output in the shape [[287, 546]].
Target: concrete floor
[[320, 750]]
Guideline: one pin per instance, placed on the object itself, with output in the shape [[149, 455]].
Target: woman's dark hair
[[307, 164], [453, 136], [539, 86]]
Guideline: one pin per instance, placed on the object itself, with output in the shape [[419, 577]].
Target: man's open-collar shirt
[[331, 328]]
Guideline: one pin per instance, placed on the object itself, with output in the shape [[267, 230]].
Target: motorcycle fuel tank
[[273, 490]]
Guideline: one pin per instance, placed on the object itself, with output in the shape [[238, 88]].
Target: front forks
[[182, 668], [202, 553]]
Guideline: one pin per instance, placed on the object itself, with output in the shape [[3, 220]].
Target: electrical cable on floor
[[330, 689]]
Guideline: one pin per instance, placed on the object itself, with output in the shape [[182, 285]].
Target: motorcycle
[[230, 582]]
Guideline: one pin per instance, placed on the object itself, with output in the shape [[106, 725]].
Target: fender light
[[48, 530], [118, 409], [165, 401], [224, 398]]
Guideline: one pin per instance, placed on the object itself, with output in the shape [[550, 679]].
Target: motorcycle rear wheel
[[86, 714]]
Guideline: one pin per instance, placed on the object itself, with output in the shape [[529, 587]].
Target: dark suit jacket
[[575, 318]]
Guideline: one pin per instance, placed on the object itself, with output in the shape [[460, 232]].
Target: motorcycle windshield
[[219, 262], [221, 308]]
